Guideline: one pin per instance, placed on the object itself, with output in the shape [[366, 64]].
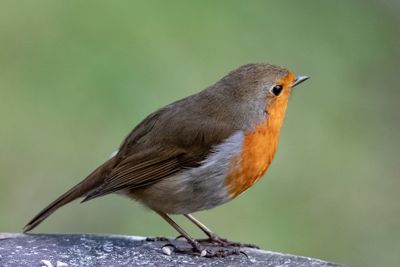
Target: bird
[[198, 152]]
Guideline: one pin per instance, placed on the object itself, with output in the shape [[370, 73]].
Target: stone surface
[[95, 250]]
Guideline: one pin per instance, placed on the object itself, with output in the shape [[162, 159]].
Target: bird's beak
[[299, 80]]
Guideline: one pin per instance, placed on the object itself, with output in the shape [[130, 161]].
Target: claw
[[244, 253]]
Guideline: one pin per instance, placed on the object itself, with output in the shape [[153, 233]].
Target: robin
[[198, 152]]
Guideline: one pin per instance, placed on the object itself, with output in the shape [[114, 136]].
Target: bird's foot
[[197, 250], [216, 240], [221, 252]]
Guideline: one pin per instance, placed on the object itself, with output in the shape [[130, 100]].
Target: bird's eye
[[277, 89]]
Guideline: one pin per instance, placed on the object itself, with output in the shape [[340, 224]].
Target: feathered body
[[198, 152]]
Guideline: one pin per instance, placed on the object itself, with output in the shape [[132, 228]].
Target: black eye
[[277, 89]]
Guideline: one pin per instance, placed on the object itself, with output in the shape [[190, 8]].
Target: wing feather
[[135, 172], [154, 150]]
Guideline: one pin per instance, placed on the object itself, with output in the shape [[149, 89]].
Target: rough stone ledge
[[110, 250]]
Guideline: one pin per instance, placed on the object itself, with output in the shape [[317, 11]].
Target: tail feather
[[79, 190], [67, 197]]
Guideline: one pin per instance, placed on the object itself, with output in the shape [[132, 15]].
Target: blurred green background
[[77, 76]]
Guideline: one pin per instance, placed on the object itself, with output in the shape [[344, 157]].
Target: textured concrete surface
[[95, 250]]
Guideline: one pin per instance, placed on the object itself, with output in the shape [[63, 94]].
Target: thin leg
[[199, 224], [213, 238], [196, 246], [220, 252]]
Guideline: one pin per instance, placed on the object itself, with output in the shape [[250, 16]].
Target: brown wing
[[165, 143], [137, 171]]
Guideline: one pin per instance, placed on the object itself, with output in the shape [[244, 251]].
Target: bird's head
[[262, 86]]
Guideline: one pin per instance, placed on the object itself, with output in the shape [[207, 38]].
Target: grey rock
[[111, 250]]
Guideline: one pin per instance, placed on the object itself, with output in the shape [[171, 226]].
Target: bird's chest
[[258, 150]]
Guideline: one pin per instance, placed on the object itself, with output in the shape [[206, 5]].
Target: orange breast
[[259, 148]]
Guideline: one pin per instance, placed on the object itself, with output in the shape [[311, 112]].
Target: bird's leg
[[209, 253], [195, 245], [202, 227], [213, 238]]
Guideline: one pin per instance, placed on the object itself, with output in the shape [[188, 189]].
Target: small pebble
[[167, 250], [47, 263], [61, 264], [203, 253]]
